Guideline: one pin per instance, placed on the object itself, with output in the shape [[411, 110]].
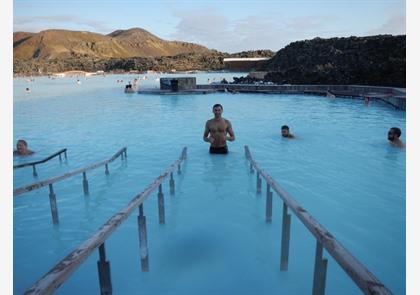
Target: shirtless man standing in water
[[218, 128]]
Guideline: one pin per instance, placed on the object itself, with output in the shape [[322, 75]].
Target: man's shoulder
[[227, 121]]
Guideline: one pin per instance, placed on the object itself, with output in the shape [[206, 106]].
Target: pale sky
[[230, 26]]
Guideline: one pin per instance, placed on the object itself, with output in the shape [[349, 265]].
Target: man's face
[[21, 147], [285, 132], [217, 111], [391, 135]]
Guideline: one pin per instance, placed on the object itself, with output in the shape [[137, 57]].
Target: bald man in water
[[218, 128]]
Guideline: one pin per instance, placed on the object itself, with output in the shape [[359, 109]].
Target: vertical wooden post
[[251, 169], [65, 154], [59, 156], [85, 184], [161, 206], [258, 183], [53, 205], [172, 184], [106, 169], [144, 251], [179, 169], [285, 239], [320, 271], [122, 156], [104, 271], [34, 173], [269, 205], [125, 153]]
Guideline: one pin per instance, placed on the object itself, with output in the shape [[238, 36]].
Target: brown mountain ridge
[[63, 44]]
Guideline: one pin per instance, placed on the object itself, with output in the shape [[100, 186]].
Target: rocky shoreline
[[183, 62], [375, 60]]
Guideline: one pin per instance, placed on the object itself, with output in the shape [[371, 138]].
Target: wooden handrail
[[363, 278], [61, 271], [43, 183], [40, 161]]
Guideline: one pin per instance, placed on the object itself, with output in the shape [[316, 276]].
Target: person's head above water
[[394, 134], [22, 148], [285, 131], [217, 110]]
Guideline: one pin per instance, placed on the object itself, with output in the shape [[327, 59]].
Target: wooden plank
[[104, 272], [161, 206], [320, 271], [34, 173], [53, 205], [144, 250], [64, 269], [172, 184], [46, 182], [85, 184], [285, 239], [258, 183], [363, 278], [268, 205]]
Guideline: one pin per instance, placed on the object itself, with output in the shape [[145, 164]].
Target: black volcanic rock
[[376, 60], [211, 61]]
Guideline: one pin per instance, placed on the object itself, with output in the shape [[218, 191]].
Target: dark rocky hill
[[375, 60], [212, 61]]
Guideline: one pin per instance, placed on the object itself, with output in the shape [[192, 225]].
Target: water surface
[[215, 241]]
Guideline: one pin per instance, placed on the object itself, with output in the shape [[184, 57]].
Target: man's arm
[[206, 137], [229, 130]]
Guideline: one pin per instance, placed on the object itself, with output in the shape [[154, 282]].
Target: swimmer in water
[[22, 148], [285, 132], [27, 90], [394, 137]]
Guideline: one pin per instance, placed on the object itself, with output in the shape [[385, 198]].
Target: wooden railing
[[53, 202], [363, 278], [64, 269], [33, 164]]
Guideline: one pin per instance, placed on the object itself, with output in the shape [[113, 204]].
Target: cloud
[[395, 25], [253, 32], [39, 23], [203, 27]]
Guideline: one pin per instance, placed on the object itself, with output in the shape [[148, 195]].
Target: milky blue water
[[340, 168]]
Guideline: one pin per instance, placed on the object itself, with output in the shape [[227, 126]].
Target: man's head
[[217, 110], [285, 131], [394, 133], [22, 147]]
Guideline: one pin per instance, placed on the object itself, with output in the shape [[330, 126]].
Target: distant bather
[[22, 148]]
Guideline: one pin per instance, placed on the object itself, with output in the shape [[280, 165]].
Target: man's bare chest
[[218, 126]]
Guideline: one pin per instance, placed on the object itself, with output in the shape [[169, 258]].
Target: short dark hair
[[284, 127], [217, 105], [397, 131], [23, 141]]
